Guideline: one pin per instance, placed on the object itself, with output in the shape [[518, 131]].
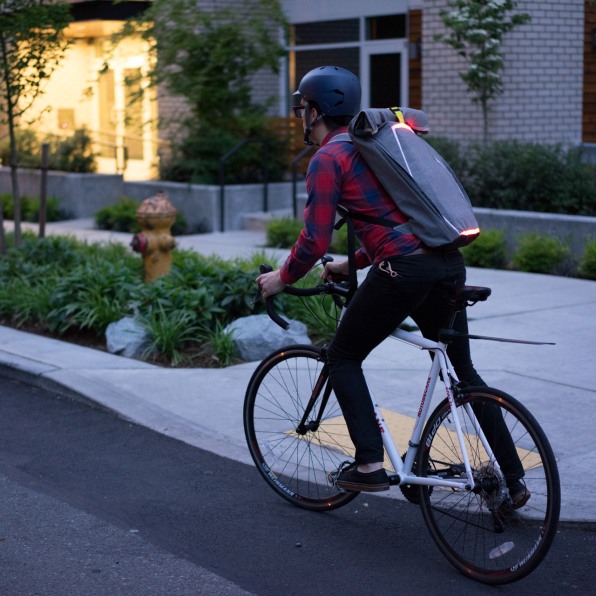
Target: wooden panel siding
[[589, 87], [290, 129]]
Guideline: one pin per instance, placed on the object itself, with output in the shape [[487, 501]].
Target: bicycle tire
[[479, 531], [296, 465]]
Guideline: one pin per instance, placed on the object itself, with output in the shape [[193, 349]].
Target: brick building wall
[[542, 100]]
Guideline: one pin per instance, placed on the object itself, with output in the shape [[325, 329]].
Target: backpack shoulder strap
[[404, 228]]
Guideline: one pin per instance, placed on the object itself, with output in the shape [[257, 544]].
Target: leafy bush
[[283, 232], [74, 153], [93, 295], [122, 217], [28, 149], [540, 254], [489, 250], [254, 152], [119, 217], [450, 150], [30, 208], [523, 176], [171, 332], [587, 264], [70, 154], [530, 177]]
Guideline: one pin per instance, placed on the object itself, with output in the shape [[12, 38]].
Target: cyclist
[[401, 282]]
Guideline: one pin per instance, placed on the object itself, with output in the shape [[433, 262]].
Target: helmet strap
[[309, 126]]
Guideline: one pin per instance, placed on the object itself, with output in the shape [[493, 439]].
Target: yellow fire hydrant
[[155, 242]]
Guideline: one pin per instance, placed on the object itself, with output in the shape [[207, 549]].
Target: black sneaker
[[371, 482], [519, 494]]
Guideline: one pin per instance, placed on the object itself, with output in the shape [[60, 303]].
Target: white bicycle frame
[[440, 364]]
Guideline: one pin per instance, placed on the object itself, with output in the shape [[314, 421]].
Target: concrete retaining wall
[[573, 230], [81, 195]]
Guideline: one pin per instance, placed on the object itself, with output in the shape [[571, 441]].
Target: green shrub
[[220, 346], [70, 154], [587, 264], [28, 149], [30, 208], [197, 157], [530, 177], [121, 216], [92, 295], [283, 232], [74, 153], [451, 152], [171, 331], [540, 254], [489, 250]]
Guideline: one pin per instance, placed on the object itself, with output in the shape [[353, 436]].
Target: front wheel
[[495, 533], [295, 430]]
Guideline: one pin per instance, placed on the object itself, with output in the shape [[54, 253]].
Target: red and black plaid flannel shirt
[[337, 175]]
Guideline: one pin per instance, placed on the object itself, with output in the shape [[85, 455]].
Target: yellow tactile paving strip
[[401, 427]]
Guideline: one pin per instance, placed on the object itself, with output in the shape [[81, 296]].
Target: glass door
[[384, 68]]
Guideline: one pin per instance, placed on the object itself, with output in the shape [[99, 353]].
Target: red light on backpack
[[471, 232]]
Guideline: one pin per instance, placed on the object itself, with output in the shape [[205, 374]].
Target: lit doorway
[[124, 135]]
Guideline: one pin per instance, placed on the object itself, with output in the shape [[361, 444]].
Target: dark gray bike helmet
[[335, 91]]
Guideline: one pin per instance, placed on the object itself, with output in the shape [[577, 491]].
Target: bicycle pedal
[[333, 476]]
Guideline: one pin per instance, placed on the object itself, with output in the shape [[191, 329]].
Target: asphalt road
[[91, 504]]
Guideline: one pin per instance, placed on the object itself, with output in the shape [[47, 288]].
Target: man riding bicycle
[[403, 278]]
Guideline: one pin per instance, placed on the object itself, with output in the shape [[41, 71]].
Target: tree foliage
[[476, 31], [32, 44], [209, 56]]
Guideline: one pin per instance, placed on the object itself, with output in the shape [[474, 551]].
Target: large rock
[[127, 337], [256, 336]]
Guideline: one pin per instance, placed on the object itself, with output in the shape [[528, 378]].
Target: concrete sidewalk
[[203, 407]]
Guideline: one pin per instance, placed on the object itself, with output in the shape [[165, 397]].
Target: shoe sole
[[363, 488], [521, 501]]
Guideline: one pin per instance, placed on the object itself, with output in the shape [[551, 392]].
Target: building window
[[306, 60], [325, 32], [387, 27]]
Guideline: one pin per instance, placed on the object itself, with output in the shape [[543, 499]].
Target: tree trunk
[[2, 235], [484, 104], [10, 111], [16, 197]]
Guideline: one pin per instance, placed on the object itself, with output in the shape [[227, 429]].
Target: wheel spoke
[[479, 531], [295, 463]]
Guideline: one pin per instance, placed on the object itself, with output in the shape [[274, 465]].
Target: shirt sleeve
[[323, 184]]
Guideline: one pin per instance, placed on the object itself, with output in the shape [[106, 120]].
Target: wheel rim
[[479, 531], [296, 462]]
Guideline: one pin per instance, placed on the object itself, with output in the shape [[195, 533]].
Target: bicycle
[[453, 467]]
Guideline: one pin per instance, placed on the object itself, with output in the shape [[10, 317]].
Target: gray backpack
[[416, 177]]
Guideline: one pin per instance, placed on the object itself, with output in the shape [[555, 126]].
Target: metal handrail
[[222, 182], [294, 164]]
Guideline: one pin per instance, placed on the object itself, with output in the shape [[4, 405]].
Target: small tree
[[477, 31], [31, 46], [208, 56]]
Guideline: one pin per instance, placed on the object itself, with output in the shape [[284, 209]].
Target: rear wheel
[[295, 452], [484, 532]]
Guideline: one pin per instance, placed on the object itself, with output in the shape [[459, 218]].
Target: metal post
[[45, 153], [295, 176], [265, 176]]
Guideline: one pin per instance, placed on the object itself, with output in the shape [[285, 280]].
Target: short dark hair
[[336, 121]]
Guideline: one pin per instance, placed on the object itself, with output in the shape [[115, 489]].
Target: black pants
[[398, 288]]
